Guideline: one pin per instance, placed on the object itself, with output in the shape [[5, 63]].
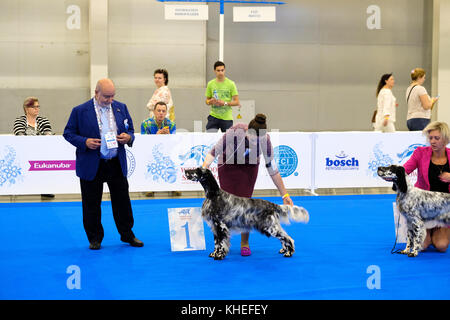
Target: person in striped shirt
[[31, 123]]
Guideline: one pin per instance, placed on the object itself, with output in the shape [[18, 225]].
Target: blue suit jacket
[[83, 124]]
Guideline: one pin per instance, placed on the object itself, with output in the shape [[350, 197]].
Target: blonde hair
[[442, 127], [29, 102], [417, 73]]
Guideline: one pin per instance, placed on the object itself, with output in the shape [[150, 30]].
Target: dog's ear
[[401, 179], [401, 170], [207, 172]]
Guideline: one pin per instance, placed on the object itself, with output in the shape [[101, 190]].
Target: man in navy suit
[[99, 129]]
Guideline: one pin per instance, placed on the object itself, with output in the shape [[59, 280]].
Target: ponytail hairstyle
[[382, 81]]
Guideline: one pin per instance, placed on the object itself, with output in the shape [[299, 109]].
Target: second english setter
[[417, 206], [225, 212]]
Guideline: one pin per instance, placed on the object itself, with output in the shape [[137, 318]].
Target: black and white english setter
[[224, 213], [417, 206]]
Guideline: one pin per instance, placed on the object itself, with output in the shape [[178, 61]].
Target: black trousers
[[109, 171], [214, 124]]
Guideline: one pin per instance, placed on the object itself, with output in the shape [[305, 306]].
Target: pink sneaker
[[245, 251]]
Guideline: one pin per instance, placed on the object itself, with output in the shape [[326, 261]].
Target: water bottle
[[216, 96]]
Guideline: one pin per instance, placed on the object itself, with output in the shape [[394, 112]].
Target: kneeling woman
[[433, 173], [239, 151]]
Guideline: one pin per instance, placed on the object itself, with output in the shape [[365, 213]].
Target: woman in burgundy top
[[239, 151], [433, 173]]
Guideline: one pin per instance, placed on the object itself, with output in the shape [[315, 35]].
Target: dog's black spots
[[417, 206], [225, 212]]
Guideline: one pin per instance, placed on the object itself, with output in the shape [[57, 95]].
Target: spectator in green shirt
[[221, 94]]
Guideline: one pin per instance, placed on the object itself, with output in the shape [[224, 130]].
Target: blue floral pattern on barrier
[[9, 170], [162, 168], [381, 160], [196, 153]]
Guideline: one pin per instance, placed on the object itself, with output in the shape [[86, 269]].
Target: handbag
[[374, 116]]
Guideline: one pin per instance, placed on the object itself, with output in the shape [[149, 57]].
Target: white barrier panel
[[293, 157], [351, 159], [36, 165], [46, 164], [157, 162]]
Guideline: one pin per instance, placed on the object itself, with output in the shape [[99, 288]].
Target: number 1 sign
[[186, 229]]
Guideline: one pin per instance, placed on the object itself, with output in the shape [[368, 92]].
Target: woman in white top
[[386, 104], [419, 102], [162, 93]]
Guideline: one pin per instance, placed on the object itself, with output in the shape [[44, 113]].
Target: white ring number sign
[[186, 229]]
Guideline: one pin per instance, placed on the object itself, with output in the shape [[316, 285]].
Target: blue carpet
[[346, 236]]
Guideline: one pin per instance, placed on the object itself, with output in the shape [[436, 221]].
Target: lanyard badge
[[111, 141]]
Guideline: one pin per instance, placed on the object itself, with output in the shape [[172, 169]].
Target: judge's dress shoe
[[94, 245], [135, 242]]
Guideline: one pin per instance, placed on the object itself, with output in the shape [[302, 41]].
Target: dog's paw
[[413, 254], [217, 254], [406, 251], [288, 254], [220, 255], [282, 251]]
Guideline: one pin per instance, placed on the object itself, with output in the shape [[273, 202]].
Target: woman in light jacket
[[386, 104]]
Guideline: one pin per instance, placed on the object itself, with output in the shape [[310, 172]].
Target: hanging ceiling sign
[[254, 14], [185, 12]]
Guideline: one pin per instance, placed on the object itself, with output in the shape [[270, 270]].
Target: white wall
[[321, 62], [315, 68], [443, 77]]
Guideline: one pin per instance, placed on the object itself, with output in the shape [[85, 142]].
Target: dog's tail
[[295, 213]]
